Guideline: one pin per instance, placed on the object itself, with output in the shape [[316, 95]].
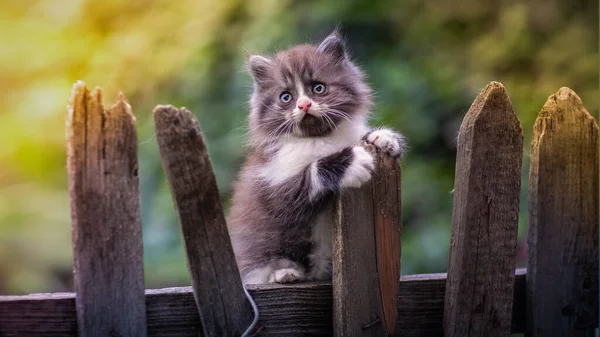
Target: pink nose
[[304, 104]]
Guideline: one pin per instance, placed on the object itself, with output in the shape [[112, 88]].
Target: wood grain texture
[[286, 311], [562, 287], [222, 304], [362, 216], [485, 217], [387, 205], [105, 214]]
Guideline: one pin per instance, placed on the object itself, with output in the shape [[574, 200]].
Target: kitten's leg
[[360, 169], [286, 275], [258, 275], [387, 140], [322, 240], [351, 167], [276, 271], [286, 271]]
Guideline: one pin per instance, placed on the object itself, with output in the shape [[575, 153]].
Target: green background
[[426, 60]]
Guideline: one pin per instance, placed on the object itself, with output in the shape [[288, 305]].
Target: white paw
[[286, 275], [388, 141], [360, 170]]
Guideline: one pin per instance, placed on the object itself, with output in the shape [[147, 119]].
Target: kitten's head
[[305, 91]]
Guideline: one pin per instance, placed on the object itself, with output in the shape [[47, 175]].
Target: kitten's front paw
[[388, 141], [286, 275], [360, 170]]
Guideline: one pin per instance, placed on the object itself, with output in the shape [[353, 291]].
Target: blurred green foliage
[[426, 60]]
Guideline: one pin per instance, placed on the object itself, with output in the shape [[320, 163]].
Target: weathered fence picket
[[482, 259], [105, 214], [366, 261], [562, 278], [222, 304]]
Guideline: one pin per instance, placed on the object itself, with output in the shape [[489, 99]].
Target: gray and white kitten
[[309, 111]]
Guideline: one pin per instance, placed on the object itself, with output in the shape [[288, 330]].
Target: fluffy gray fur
[[299, 160]]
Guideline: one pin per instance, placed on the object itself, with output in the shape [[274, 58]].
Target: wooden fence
[[481, 295]]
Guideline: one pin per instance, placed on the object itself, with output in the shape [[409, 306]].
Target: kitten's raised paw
[[388, 141], [360, 169], [286, 275]]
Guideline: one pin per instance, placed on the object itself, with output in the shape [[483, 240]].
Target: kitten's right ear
[[334, 46], [258, 67]]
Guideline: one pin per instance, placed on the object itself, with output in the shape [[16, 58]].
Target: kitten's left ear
[[334, 46], [259, 67]]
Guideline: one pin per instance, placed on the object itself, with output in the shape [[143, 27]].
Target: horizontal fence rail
[[304, 309]]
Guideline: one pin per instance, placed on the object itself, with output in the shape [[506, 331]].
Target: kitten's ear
[[334, 46], [259, 66]]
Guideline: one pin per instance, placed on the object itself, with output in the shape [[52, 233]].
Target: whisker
[[273, 135], [330, 121], [324, 117], [286, 124], [271, 109], [341, 114]]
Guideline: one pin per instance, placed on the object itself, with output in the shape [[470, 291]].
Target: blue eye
[[285, 97], [319, 88]]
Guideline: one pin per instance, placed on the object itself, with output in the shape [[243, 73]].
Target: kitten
[[309, 110]]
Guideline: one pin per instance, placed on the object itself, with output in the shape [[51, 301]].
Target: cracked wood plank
[[105, 213]]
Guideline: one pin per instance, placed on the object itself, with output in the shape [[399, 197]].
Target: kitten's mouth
[[313, 126], [310, 120]]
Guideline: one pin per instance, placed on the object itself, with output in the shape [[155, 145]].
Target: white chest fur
[[295, 154]]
